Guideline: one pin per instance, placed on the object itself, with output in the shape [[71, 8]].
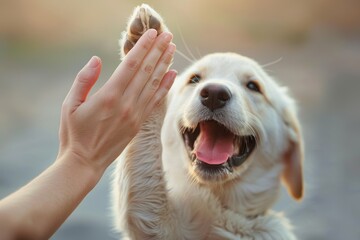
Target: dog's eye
[[195, 78], [253, 86]]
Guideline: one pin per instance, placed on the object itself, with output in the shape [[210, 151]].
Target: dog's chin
[[215, 153]]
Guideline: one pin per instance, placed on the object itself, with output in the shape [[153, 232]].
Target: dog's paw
[[142, 19]]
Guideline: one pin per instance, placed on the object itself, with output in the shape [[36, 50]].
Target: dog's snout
[[215, 96]]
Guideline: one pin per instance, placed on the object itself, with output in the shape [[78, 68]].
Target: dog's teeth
[[193, 157], [228, 166]]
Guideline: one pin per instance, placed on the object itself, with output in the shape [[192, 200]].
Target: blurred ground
[[44, 43]]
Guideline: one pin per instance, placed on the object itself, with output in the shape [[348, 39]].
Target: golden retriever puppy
[[209, 162]]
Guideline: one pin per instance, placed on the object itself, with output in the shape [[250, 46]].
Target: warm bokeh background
[[44, 43]]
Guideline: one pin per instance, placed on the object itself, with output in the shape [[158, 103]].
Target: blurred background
[[44, 43]]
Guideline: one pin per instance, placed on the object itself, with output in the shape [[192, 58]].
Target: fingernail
[[172, 48], [93, 62], [174, 73], [167, 36], [152, 33], [171, 79]]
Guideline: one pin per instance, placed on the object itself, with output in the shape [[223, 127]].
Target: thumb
[[84, 81]]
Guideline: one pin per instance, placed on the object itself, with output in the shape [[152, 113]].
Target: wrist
[[81, 167]]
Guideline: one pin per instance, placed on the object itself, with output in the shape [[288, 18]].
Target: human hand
[[94, 130]]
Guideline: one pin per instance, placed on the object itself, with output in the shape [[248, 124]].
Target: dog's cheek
[[272, 134]]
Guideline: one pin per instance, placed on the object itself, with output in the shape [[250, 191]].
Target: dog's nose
[[214, 96]]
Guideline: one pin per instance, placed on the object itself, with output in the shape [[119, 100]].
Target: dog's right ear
[[142, 19], [292, 175]]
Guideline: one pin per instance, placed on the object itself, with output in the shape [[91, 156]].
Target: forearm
[[38, 209]]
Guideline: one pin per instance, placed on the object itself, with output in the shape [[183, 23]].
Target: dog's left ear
[[292, 175]]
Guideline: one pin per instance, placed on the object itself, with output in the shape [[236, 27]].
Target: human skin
[[94, 130]]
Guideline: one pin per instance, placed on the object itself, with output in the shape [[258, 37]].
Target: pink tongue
[[215, 143]]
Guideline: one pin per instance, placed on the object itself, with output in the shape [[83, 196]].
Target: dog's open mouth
[[214, 149]]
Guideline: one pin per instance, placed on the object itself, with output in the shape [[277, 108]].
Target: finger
[[161, 92], [132, 62], [161, 68], [148, 65], [83, 83]]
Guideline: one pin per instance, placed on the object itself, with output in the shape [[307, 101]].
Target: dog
[[209, 162]]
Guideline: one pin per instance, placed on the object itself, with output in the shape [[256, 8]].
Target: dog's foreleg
[[140, 196], [142, 205]]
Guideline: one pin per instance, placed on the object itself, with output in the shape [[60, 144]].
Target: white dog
[[207, 165]]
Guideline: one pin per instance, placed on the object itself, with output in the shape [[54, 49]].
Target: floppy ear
[[292, 175]]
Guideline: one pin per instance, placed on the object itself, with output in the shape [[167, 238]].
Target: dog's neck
[[253, 194]]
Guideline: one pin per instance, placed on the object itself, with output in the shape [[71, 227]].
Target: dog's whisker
[[192, 179], [253, 120], [198, 52], [184, 56], [183, 129], [272, 63], [186, 45]]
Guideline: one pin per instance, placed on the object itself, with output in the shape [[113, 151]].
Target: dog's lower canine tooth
[[193, 157]]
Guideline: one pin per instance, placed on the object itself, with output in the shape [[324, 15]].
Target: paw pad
[[142, 19]]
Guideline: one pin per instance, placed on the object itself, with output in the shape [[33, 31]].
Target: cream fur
[[156, 193]]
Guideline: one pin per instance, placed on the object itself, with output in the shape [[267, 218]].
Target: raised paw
[[142, 19]]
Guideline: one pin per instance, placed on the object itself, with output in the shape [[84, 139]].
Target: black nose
[[214, 96]]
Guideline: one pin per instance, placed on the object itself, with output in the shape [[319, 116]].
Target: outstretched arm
[[94, 130]]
